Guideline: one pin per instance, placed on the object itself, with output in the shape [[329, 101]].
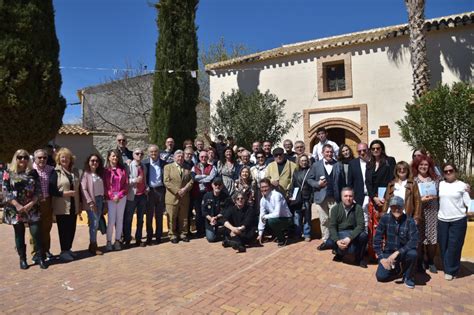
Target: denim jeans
[[94, 218], [407, 261], [139, 203], [211, 232], [303, 215], [451, 239], [356, 247]]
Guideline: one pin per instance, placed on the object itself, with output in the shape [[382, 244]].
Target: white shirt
[[328, 167], [318, 149], [453, 201], [272, 206], [363, 167], [400, 189]]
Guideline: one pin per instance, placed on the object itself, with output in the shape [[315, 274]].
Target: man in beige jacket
[[178, 183], [280, 172]]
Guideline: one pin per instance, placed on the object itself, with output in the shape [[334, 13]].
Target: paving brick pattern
[[198, 277]]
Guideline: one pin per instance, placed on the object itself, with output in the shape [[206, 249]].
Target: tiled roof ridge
[[73, 129], [341, 40]]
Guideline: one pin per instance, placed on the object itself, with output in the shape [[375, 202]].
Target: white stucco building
[[356, 85]]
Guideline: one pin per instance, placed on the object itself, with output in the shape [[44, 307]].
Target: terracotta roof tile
[[345, 40], [76, 130]]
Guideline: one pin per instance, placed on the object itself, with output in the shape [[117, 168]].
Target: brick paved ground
[[198, 277]]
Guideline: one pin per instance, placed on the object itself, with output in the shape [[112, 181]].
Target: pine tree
[[175, 90], [31, 106]]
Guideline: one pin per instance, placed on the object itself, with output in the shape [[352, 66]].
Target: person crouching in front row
[[398, 252], [239, 221], [347, 229], [274, 211]]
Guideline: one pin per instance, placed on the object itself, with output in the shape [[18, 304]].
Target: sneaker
[[409, 283], [49, 256], [307, 239], [109, 247], [448, 277], [432, 268], [117, 245], [65, 256]]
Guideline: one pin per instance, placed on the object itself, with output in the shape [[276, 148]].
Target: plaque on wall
[[384, 132]]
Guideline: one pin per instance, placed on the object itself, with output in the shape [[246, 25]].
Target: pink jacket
[[87, 187], [115, 182]]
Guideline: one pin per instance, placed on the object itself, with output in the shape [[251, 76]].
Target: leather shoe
[[43, 264], [23, 264], [174, 241], [363, 263], [337, 258], [323, 246], [185, 239]]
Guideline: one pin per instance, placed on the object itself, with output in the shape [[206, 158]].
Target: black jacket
[[355, 179], [214, 205], [380, 178]]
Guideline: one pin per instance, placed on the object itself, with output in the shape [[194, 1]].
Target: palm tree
[[418, 59]]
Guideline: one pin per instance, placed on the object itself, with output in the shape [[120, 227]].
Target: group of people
[[396, 213]]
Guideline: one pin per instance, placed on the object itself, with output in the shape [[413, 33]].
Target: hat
[[217, 181], [278, 151], [396, 201]]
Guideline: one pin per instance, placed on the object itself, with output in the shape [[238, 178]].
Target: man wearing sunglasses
[[136, 198], [127, 155], [356, 178], [46, 211]]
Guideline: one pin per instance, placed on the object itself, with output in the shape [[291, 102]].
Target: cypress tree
[[175, 93], [30, 102]]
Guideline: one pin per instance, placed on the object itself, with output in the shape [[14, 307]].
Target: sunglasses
[[448, 171], [121, 140], [279, 154], [41, 157], [363, 150], [402, 170], [240, 150], [138, 153], [94, 161], [22, 157], [376, 148]]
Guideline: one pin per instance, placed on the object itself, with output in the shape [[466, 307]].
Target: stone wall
[[104, 141]]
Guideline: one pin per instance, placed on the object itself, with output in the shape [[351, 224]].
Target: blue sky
[[111, 34]]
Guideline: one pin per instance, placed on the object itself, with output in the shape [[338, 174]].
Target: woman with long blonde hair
[[22, 192], [64, 185]]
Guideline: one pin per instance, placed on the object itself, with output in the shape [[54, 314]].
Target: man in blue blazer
[[326, 176], [156, 195], [356, 178]]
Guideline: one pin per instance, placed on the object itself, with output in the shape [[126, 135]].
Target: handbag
[[297, 203], [102, 225]]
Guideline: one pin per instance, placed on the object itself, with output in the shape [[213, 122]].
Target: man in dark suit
[[356, 178], [156, 195], [326, 176]]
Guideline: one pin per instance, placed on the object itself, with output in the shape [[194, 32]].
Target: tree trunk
[[418, 59]]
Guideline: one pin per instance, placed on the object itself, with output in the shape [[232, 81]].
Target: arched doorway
[[341, 136]]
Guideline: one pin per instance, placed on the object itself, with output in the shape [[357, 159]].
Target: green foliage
[[442, 121], [30, 102], [251, 117], [175, 95]]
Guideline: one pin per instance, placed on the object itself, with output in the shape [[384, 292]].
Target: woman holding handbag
[[300, 199]]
